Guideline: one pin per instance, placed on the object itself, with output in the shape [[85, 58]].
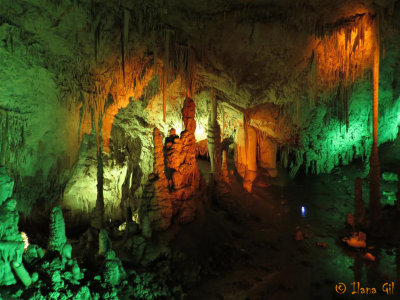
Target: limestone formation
[[11, 244], [224, 169], [177, 178], [251, 158], [57, 238], [398, 191], [114, 272], [202, 148], [104, 242], [359, 210], [240, 151], [246, 155], [188, 114], [214, 141], [375, 208], [267, 149]]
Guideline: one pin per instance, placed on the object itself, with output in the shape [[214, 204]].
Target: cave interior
[[209, 149]]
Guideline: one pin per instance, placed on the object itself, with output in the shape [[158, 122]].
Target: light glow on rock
[[200, 133], [25, 240]]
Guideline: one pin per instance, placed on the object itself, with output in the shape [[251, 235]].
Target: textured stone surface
[[54, 68], [57, 239], [177, 177], [11, 244]]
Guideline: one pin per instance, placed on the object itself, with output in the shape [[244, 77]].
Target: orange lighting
[[343, 54]]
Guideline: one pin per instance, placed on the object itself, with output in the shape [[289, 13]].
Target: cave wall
[[66, 65], [38, 134]]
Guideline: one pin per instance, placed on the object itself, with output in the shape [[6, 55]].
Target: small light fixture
[[303, 211]]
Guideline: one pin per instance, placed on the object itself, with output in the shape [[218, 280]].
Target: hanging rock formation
[[246, 155], [240, 152]]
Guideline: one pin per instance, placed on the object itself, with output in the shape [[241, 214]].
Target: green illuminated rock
[[57, 240]]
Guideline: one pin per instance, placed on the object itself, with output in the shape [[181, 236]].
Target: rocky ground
[[264, 261], [242, 246]]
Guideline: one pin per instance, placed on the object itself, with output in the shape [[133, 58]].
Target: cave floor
[[242, 245], [258, 255]]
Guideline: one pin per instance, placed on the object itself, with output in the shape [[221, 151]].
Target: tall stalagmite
[[251, 156], [175, 181], [359, 210], [214, 140]]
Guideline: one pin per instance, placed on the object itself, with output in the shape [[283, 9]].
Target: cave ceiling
[[250, 52]]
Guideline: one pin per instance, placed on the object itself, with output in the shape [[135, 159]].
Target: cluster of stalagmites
[[59, 275], [11, 243], [54, 274], [174, 185]]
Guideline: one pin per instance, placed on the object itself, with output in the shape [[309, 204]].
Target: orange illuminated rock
[[298, 235], [368, 256], [224, 169], [357, 240], [240, 152], [350, 219], [202, 148], [322, 245], [172, 193], [246, 155], [267, 152], [188, 113]]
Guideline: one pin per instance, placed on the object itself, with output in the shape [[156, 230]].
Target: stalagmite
[[398, 191], [267, 154], [175, 179], [374, 175], [240, 152], [156, 209], [251, 157], [22, 273], [98, 212], [11, 244], [214, 140], [359, 210], [105, 243], [57, 238], [224, 170]]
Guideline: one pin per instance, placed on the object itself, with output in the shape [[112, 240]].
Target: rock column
[[214, 141], [359, 210]]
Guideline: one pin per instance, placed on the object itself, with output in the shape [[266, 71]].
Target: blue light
[[303, 211]]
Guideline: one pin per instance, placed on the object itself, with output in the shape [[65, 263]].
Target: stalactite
[[126, 28], [123, 56], [97, 220], [374, 176], [165, 74]]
